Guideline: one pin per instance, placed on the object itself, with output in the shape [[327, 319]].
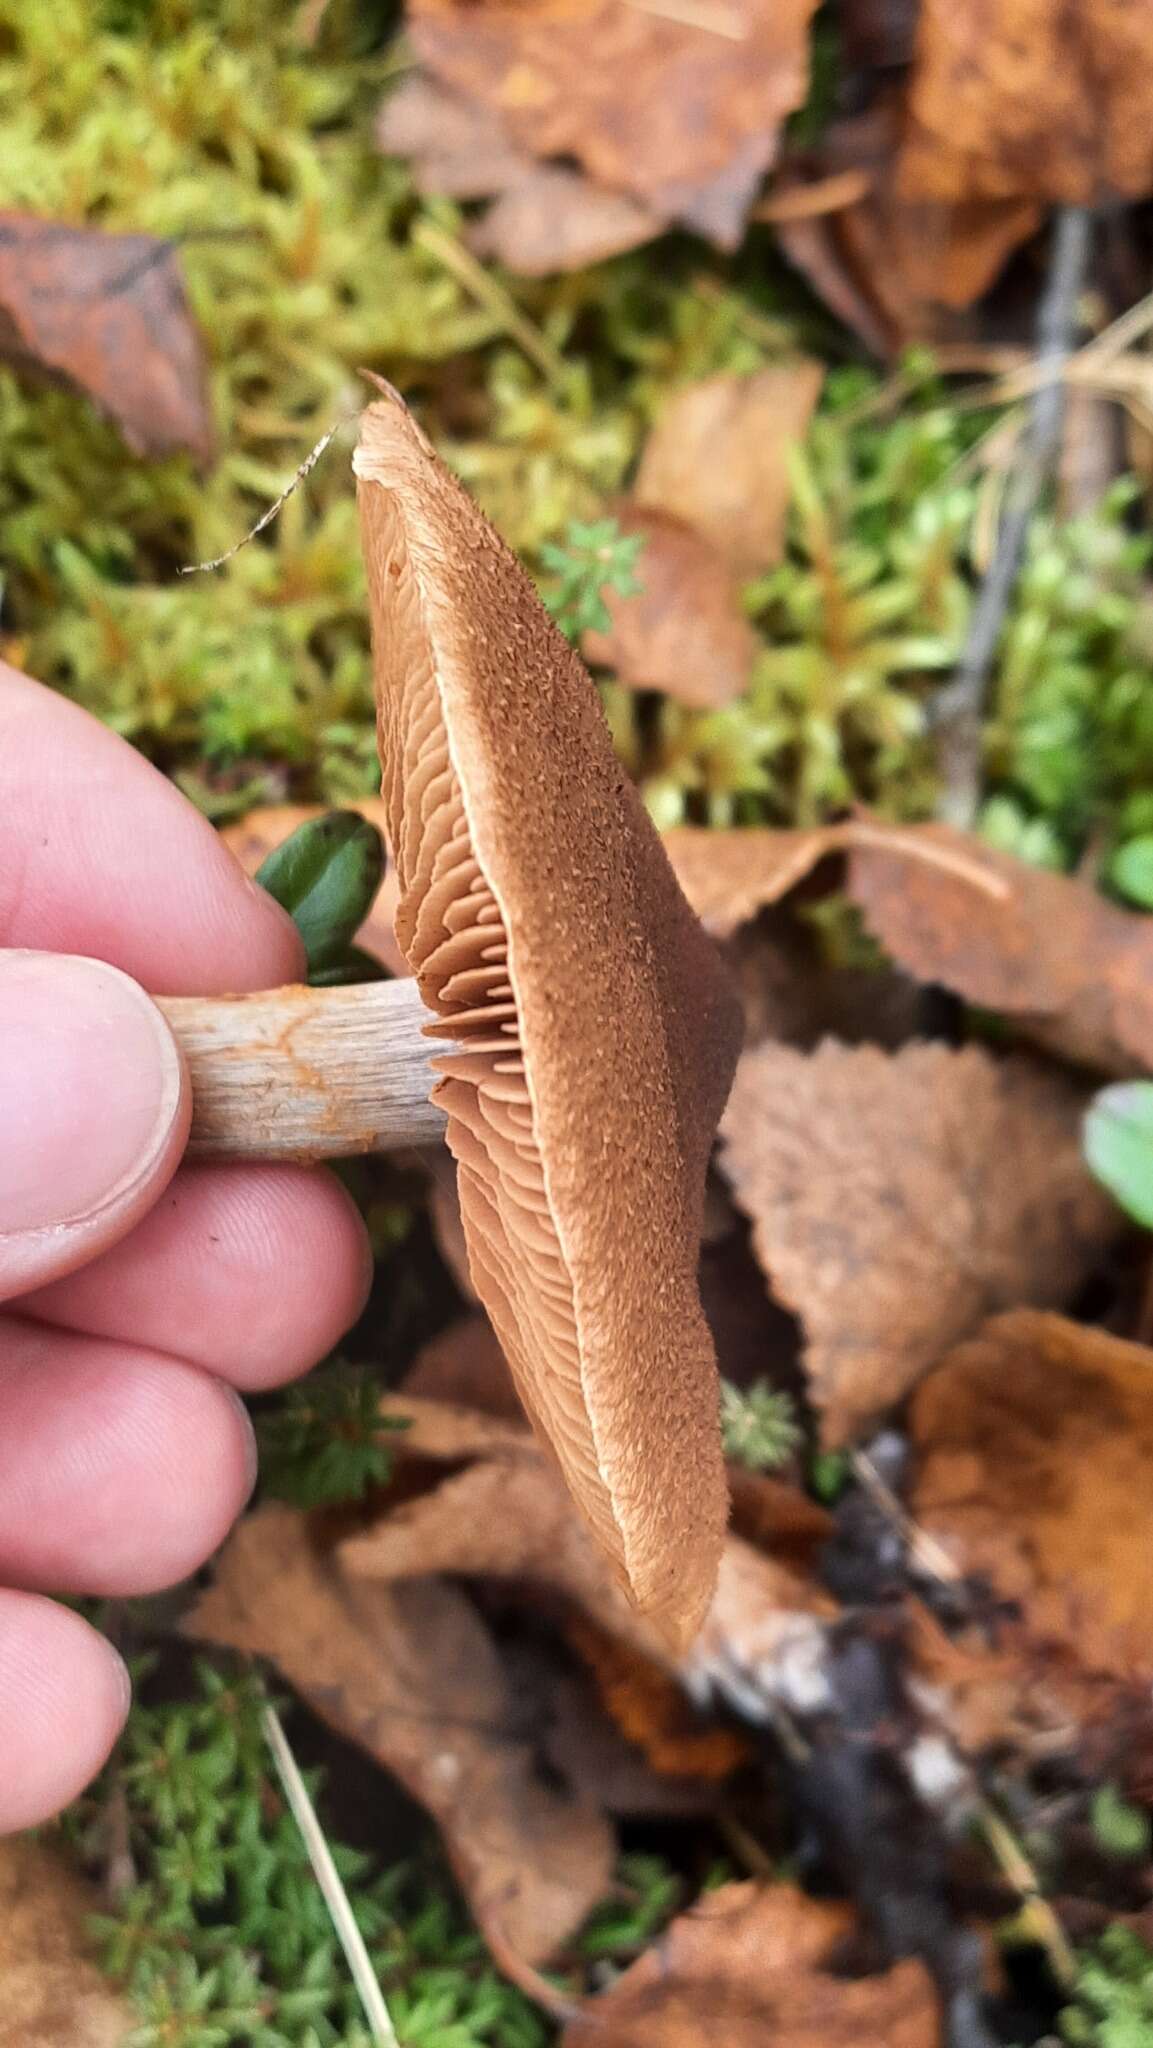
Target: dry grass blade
[[327, 1876]]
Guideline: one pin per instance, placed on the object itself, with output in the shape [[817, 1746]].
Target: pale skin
[[138, 1295]]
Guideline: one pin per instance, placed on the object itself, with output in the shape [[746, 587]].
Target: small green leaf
[[1131, 870], [1118, 1139], [1121, 1830], [326, 875]]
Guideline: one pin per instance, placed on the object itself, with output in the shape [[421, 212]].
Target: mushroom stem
[[307, 1073]]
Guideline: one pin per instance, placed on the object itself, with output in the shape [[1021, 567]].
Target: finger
[[100, 854], [63, 1699], [120, 1470], [253, 1272], [94, 1112]]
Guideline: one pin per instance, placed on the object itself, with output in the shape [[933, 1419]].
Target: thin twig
[[266, 518], [1037, 1916], [923, 1549], [328, 1878], [959, 708]]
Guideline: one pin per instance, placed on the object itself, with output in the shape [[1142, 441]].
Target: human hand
[[137, 1293]]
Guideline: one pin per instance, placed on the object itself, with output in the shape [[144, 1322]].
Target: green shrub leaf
[[1118, 1138], [326, 875]]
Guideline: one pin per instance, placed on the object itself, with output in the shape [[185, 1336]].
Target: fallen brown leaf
[[680, 118], [717, 459], [1032, 99], [262, 830], [751, 1967], [410, 1672], [1044, 948], [728, 876], [1033, 1448], [897, 1199], [544, 217], [465, 1367], [54, 1996], [1073, 970], [683, 632], [896, 266], [107, 315], [507, 1515]]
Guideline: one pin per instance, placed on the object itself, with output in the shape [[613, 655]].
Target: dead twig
[[959, 707]]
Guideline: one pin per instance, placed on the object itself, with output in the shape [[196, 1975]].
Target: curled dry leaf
[[1033, 1447], [594, 1028], [749, 1967], [717, 458], [54, 1995], [1043, 948], [1032, 99], [261, 831], [680, 117], [465, 1367], [897, 1199], [543, 218], [683, 631], [728, 876], [506, 1515], [1072, 970], [389, 1666], [894, 266], [107, 315]]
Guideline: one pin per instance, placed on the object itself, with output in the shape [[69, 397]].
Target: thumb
[[94, 1112]]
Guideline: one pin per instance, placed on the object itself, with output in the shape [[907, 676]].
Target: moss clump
[[224, 1941]]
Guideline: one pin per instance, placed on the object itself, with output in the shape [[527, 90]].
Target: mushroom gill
[[593, 1029]]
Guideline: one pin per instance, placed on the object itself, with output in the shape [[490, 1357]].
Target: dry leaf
[[53, 1994], [751, 1967], [507, 1515], [895, 266], [898, 1199], [681, 118], [262, 830], [728, 876], [717, 459], [107, 315], [544, 217], [1032, 99], [1033, 1449], [1044, 948], [465, 1367], [411, 1674], [683, 631], [552, 219], [1073, 970]]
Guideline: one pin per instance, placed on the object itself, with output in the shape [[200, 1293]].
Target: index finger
[[100, 854]]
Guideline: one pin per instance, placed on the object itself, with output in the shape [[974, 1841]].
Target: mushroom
[[592, 1029]]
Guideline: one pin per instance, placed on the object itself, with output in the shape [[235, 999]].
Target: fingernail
[[90, 1087]]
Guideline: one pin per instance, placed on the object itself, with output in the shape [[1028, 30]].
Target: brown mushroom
[[594, 1031]]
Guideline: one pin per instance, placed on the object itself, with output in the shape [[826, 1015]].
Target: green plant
[[759, 1425], [1121, 1829], [1113, 2002], [326, 1439], [591, 559], [1118, 1143], [224, 1940], [326, 874]]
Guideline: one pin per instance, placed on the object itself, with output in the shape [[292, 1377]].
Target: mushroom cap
[[595, 1028]]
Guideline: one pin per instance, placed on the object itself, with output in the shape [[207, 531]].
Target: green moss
[[1113, 2006], [225, 1938]]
